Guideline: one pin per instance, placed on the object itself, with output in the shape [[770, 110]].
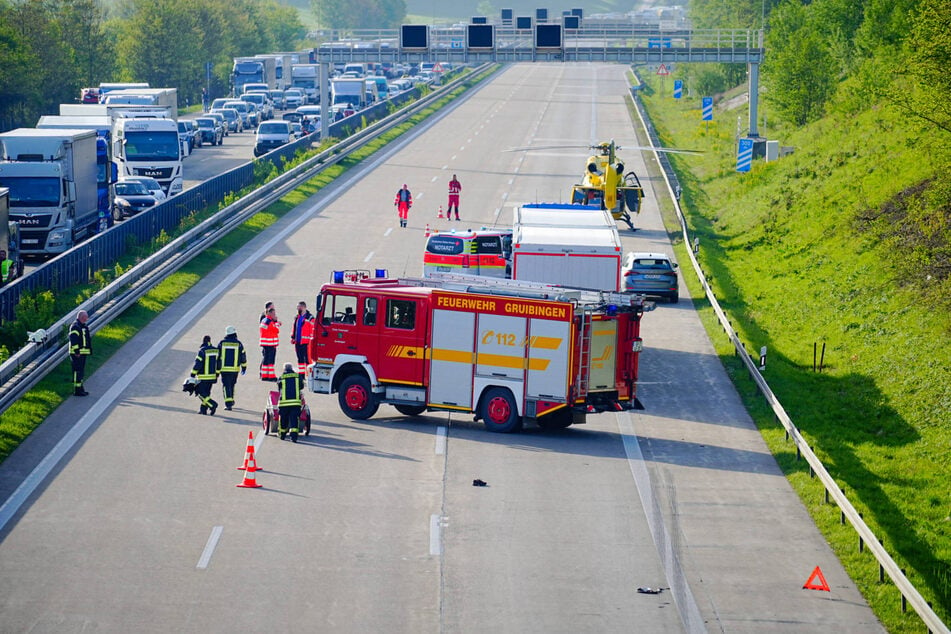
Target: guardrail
[[867, 539], [31, 363]]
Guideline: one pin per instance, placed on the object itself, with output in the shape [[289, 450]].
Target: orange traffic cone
[[248, 453], [250, 482], [440, 211], [427, 229]]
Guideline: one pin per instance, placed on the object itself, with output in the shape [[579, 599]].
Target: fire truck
[[506, 351]]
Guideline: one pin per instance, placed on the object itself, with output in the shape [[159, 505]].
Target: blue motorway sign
[[707, 108], [678, 88], [658, 42], [744, 155]]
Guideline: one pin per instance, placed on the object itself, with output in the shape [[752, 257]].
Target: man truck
[[149, 147], [51, 175], [307, 78], [253, 70], [506, 351], [106, 171]]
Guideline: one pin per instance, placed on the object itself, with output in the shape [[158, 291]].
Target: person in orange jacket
[[455, 188], [270, 337], [301, 335], [404, 200]]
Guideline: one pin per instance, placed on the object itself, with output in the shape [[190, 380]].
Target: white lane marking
[[210, 546], [469, 141], [387, 232], [433, 179], [423, 194], [511, 180], [453, 157], [441, 440], [445, 167], [683, 597], [435, 535], [369, 257]]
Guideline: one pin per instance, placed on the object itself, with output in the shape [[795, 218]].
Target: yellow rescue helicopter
[[605, 183]]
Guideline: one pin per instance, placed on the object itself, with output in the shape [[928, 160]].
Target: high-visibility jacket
[[80, 341], [404, 196], [231, 355], [270, 332], [455, 187], [5, 267], [291, 385], [303, 328], [206, 364]]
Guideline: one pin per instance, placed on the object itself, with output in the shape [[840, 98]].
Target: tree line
[[847, 54], [51, 49]]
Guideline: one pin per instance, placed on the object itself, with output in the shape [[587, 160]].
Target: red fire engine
[[505, 350]]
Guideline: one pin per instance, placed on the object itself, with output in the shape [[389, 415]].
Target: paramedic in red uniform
[[455, 188], [301, 335], [270, 337], [404, 200]]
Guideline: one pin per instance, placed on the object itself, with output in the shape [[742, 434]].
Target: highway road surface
[[375, 526]]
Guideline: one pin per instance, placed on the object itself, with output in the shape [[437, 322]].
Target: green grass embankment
[[835, 245]]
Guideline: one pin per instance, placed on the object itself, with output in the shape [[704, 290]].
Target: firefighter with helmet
[[291, 386], [205, 370], [232, 360]]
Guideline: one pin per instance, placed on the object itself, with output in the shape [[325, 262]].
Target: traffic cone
[[440, 211], [250, 482], [427, 229], [248, 453]]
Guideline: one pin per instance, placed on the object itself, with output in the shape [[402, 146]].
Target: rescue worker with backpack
[[404, 200], [232, 359], [302, 335], [291, 385], [205, 370]]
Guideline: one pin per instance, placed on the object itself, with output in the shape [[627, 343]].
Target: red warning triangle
[[812, 584]]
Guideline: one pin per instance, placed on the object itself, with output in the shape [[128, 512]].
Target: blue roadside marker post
[[744, 155], [678, 88]]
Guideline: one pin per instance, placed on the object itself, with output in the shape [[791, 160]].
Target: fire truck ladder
[[584, 353], [521, 288]]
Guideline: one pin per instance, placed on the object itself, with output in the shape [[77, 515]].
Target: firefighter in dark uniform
[[292, 386], [80, 347], [232, 360], [206, 371]]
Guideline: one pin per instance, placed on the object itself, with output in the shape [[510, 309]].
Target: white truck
[[149, 147], [307, 78], [568, 245], [166, 98], [253, 70], [115, 110], [51, 175], [348, 91], [282, 70]]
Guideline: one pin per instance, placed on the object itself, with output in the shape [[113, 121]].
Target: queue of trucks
[[60, 174]]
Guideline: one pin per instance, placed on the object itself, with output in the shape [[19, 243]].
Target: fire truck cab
[[506, 351]]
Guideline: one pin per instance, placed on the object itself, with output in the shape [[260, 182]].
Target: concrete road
[[375, 526]]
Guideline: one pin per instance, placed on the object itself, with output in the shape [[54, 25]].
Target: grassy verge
[[26, 414], [791, 261]]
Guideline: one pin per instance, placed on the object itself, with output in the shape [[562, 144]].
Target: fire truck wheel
[[356, 399], [266, 422], [499, 412], [410, 410]]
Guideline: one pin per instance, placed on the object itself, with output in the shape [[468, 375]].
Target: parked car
[[210, 130], [651, 274], [188, 135], [131, 197], [220, 118], [293, 98], [154, 187], [233, 117], [271, 135], [245, 110]]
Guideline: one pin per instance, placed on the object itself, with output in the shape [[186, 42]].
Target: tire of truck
[[356, 398], [410, 410], [499, 412]]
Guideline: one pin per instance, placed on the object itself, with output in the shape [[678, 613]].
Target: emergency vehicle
[[480, 252], [506, 351]]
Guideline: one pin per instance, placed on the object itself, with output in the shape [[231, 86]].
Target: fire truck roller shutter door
[[549, 342], [603, 355], [452, 358], [501, 346]]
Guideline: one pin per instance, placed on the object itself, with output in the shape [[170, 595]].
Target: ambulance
[[470, 252], [508, 352]]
